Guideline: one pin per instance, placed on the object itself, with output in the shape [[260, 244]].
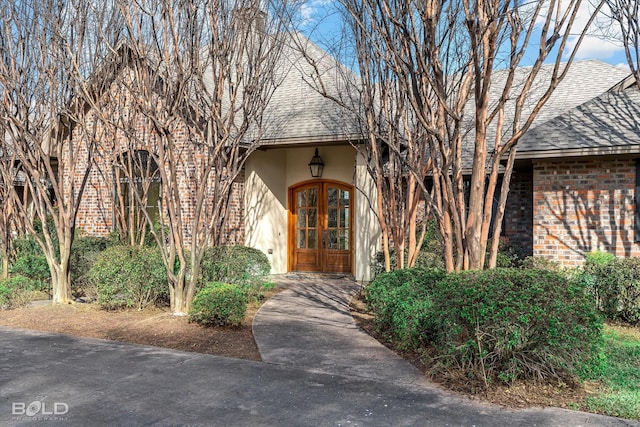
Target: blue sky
[[319, 21]]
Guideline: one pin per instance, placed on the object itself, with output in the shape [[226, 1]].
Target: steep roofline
[[618, 88]]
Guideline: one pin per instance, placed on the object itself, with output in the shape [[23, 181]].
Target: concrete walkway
[[310, 326], [329, 374]]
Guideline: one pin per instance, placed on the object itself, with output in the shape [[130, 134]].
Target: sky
[[319, 21]]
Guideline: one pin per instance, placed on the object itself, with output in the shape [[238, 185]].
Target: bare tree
[[201, 76], [626, 13], [444, 91], [8, 198], [47, 52]]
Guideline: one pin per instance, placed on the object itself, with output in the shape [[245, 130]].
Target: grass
[[619, 379]]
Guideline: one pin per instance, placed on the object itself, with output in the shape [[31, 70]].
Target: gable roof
[[606, 124], [585, 80], [297, 113]]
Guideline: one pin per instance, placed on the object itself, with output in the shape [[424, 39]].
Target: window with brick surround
[[137, 189], [637, 198]]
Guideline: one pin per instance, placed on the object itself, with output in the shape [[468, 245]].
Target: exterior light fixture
[[316, 165]]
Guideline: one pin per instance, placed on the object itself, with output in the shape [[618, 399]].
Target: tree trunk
[[179, 305], [180, 301], [5, 266], [4, 254], [61, 285]]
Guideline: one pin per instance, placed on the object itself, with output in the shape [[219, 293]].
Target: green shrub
[[540, 263], [430, 255], [506, 257], [505, 324], [598, 258], [84, 252], [14, 291], [30, 262], [127, 276], [615, 284], [401, 303], [429, 259], [240, 265], [219, 304]]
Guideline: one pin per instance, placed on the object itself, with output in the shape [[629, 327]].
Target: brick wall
[[233, 233], [582, 205], [96, 211], [518, 218]]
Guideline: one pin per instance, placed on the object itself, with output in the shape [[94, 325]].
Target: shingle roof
[[297, 112], [611, 120], [584, 81]]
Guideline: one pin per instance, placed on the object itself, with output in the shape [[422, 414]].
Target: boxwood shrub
[[402, 304], [495, 325], [506, 324], [240, 265], [14, 291], [129, 277], [219, 304], [615, 284]]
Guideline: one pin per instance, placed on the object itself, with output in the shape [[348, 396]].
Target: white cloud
[[312, 12], [603, 38], [624, 66], [594, 47]]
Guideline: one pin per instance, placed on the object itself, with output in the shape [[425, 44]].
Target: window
[[137, 189]]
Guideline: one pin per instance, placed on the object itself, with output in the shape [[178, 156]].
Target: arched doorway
[[321, 227]]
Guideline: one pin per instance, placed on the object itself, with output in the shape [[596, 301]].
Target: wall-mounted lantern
[[316, 165]]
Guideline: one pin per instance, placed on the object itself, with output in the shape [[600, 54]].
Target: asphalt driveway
[[51, 379]]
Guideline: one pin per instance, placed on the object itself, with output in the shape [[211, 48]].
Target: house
[[320, 223], [572, 190], [577, 184]]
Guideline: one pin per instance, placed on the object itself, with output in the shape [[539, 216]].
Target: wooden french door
[[320, 227]]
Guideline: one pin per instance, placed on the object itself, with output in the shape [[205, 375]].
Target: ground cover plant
[[619, 375]]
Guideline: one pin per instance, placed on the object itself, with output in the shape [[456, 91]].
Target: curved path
[[310, 326]]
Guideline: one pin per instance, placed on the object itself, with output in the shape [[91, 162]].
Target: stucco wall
[[583, 205], [269, 174]]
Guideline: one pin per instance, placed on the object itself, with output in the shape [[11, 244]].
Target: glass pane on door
[[307, 218], [338, 219]]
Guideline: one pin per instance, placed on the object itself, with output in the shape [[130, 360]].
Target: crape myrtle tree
[[46, 52], [9, 221], [203, 73], [626, 15], [443, 99]]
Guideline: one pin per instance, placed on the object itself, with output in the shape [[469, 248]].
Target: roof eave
[[305, 141], [579, 152]]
